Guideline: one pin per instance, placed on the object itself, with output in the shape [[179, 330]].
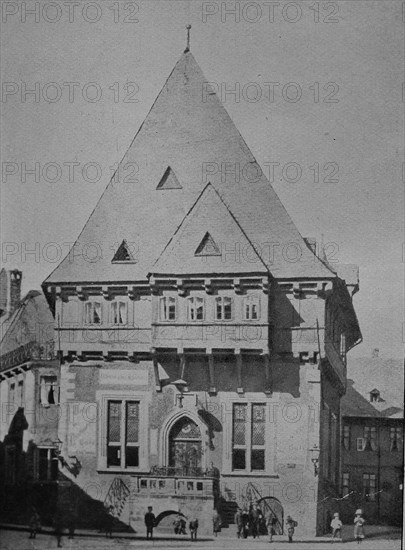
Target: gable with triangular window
[[169, 180], [123, 253], [208, 247]]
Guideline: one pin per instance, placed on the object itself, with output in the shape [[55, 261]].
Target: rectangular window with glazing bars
[[248, 437], [167, 307], [123, 434], [195, 308], [369, 487], [223, 308]]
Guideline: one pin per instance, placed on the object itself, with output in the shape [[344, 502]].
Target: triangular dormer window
[[208, 247], [123, 253], [169, 180]]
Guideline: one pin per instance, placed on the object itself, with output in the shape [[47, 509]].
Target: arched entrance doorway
[[185, 447], [271, 506]]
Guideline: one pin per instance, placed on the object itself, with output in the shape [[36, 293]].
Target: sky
[[318, 97]]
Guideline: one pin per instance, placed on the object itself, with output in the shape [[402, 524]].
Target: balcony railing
[[183, 471]]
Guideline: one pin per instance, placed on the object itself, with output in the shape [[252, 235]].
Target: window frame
[[90, 310], [220, 302], [103, 398], [51, 475], [192, 307], [368, 495], [122, 444], [44, 381], [248, 303], [395, 438], [248, 447], [115, 304], [165, 303], [370, 437]]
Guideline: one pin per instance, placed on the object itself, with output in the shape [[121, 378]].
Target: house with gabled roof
[[203, 339], [373, 439], [29, 400]]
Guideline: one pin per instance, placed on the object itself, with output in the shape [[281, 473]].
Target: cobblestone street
[[18, 540]]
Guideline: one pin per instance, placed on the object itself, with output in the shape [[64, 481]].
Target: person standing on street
[[193, 526], [336, 525], [35, 523], [216, 522], [238, 522], [358, 526], [245, 523], [291, 525], [58, 525], [149, 522], [271, 526]]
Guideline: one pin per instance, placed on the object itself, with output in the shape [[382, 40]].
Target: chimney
[[311, 243], [10, 291]]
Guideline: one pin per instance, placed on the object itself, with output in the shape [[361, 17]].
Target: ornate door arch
[[185, 447]]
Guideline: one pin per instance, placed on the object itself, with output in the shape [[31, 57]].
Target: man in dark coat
[[193, 526], [58, 525], [149, 522], [239, 522]]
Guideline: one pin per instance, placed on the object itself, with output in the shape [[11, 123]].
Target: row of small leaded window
[[224, 308], [369, 440]]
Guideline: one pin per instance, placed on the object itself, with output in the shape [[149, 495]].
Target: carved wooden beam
[[268, 390], [158, 385], [209, 289], [80, 293], [239, 367], [181, 290], [237, 286], [131, 293], [211, 373], [105, 291]]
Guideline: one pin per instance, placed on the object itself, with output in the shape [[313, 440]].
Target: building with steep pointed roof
[[203, 340]]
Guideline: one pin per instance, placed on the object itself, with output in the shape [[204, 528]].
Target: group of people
[[253, 523], [179, 525], [359, 521], [250, 522], [60, 522]]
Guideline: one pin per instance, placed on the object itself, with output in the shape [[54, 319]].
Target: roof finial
[[188, 39]]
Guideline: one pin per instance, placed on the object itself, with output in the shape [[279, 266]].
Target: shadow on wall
[[20, 489]]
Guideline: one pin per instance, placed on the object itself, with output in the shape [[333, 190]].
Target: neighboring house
[[373, 440], [29, 400], [203, 340]]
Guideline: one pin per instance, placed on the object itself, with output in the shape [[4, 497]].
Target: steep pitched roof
[[191, 134], [209, 241], [367, 374]]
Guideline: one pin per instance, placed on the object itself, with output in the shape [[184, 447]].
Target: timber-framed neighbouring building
[[204, 345]]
